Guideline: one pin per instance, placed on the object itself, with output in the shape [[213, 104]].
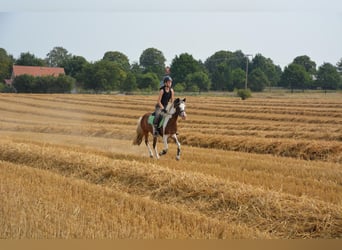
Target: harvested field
[[267, 167]]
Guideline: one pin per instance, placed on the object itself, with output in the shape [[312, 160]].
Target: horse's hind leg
[[174, 136], [155, 146], [148, 146]]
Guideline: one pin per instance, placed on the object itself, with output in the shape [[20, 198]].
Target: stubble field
[[267, 167]]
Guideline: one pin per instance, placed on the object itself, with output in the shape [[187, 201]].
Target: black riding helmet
[[167, 78]]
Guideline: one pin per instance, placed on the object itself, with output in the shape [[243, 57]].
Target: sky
[[280, 30]]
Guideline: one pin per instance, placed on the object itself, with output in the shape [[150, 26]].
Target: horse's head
[[179, 106]]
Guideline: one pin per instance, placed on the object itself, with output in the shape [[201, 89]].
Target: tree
[[6, 62], [309, 66], [221, 66], [57, 57], [148, 81], [244, 93], [295, 77], [339, 66], [183, 65], [153, 60], [257, 80], [4, 88], [23, 83], [136, 69], [130, 84], [328, 77], [103, 76], [238, 60], [222, 77], [238, 78], [266, 65], [62, 84], [198, 80], [307, 63], [28, 59], [43, 84], [119, 58], [74, 65]]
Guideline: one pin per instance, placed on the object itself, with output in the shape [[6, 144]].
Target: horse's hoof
[[177, 158], [163, 152]]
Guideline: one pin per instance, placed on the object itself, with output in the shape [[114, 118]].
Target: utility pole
[[247, 55]]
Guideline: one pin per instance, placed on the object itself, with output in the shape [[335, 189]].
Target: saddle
[[160, 122]]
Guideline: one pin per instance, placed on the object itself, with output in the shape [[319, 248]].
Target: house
[[34, 71]]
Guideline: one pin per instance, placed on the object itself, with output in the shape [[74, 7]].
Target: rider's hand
[[164, 110]]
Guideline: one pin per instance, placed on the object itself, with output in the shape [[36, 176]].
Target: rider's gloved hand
[[164, 110]]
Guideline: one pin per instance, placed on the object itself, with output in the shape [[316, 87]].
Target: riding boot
[[156, 133], [155, 127]]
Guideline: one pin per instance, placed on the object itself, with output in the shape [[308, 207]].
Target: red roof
[[36, 71]]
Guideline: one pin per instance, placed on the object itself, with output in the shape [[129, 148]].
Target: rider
[[166, 95]]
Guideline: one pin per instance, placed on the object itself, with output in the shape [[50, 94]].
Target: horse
[[169, 128]]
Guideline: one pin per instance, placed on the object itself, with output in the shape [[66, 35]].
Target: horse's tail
[[140, 135]]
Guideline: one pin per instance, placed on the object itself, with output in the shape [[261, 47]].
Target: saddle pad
[[151, 119]]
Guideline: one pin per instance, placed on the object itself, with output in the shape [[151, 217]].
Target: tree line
[[222, 71]]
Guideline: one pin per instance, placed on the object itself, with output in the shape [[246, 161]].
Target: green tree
[[103, 76], [23, 83], [136, 69], [43, 84], [198, 80], [28, 59], [266, 65], [148, 81], [74, 66], [328, 77], [6, 62], [222, 77], [257, 80], [130, 84], [220, 70], [221, 66], [295, 77], [4, 88], [243, 93], [119, 58], [183, 65], [307, 63], [309, 66], [152, 60], [238, 60], [238, 78], [57, 57], [339, 66], [62, 84]]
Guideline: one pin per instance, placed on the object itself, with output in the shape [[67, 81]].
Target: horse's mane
[[168, 107]]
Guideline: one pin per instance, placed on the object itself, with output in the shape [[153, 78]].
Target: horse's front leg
[[166, 146], [174, 136]]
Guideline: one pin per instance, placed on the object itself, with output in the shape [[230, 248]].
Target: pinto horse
[[169, 128]]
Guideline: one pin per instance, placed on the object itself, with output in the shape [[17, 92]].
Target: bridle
[[181, 109]]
